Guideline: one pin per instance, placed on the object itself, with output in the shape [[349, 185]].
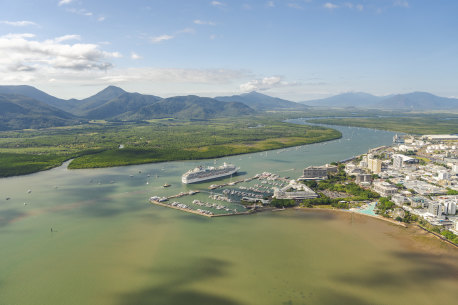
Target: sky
[[293, 49]]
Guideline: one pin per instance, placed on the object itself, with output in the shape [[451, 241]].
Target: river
[[91, 237]]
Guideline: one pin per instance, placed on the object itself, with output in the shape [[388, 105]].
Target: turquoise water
[[368, 210]]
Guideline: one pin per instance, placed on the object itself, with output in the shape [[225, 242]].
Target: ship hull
[[185, 180]]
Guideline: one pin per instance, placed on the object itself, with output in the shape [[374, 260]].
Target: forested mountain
[[126, 104], [21, 112], [189, 107], [36, 94], [262, 102]]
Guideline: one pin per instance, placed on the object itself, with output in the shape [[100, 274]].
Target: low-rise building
[[363, 178], [384, 188], [399, 199], [318, 172], [294, 190]]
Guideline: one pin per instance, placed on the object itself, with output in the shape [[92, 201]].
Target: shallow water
[[109, 246]]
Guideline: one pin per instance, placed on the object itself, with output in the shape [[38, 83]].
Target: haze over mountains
[[27, 107], [417, 101]]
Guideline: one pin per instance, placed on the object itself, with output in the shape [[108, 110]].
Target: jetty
[[186, 208]]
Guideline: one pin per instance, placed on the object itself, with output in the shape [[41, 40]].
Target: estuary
[[91, 237]]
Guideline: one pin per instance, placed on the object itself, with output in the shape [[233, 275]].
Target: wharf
[[199, 213]]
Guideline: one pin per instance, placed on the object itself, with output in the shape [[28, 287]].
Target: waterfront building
[[399, 161], [384, 188], [318, 172], [440, 137], [374, 165], [398, 140], [294, 190]]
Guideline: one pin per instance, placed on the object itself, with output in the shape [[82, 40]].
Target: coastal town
[[413, 180], [419, 176]]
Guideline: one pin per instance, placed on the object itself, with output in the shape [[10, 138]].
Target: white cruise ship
[[200, 174]]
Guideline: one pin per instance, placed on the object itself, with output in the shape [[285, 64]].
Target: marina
[[229, 193]]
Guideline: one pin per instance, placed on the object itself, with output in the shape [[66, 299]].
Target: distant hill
[[21, 112], [262, 102], [410, 101], [349, 99], [418, 101], [126, 104], [38, 95], [189, 107]]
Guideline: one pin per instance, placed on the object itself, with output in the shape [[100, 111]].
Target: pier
[[198, 212]]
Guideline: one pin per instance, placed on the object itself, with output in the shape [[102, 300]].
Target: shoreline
[[348, 211]]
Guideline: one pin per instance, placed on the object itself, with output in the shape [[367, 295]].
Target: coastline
[[347, 211]]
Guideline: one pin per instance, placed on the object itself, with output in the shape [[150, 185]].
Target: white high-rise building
[[450, 207]]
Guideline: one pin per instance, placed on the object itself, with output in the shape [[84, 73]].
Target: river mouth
[[108, 245]]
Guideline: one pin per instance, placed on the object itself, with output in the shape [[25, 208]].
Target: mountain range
[[416, 101], [27, 107], [262, 102]]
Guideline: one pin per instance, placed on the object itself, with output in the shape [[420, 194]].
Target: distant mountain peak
[[261, 102]]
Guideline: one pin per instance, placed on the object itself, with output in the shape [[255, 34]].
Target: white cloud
[[135, 56], [270, 4], [165, 37], [161, 38], [63, 2], [401, 3], [202, 22], [246, 6], [330, 5], [359, 7], [217, 3], [18, 23], [20, 53], [101, 18], [265, 83], [18, 36], [171, 75], [67, 37]]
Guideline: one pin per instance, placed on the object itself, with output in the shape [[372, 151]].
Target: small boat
[[29, 191], [166, 185]]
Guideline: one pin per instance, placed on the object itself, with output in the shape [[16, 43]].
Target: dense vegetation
[[112, 144], [425, 124], [283, 203]]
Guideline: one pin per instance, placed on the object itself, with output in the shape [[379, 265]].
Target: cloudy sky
[[294, 49]]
